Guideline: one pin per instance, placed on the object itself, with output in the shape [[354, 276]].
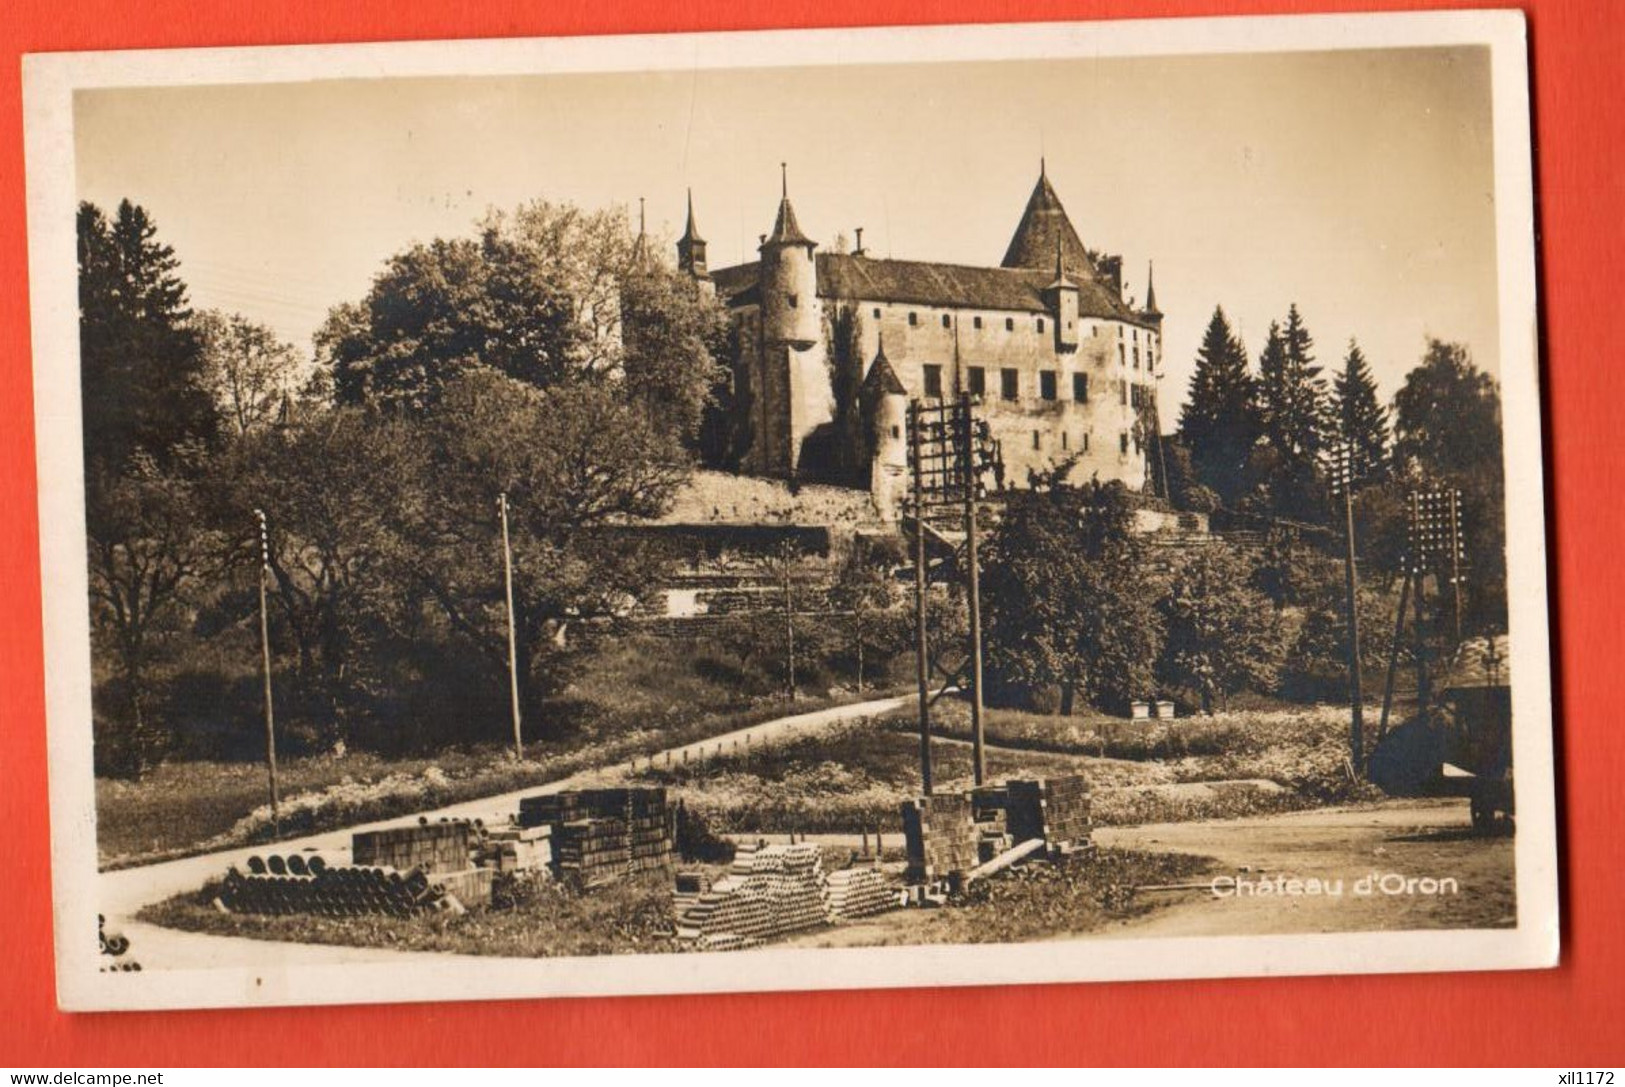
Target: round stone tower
[[791, 314]]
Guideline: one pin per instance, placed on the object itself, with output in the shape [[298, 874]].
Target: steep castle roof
[[691, 234], [1043, 229], [786, 231], [882, 380]]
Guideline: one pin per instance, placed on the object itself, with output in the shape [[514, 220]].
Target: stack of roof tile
[[768, 892], [1055, 809], [859, 892]]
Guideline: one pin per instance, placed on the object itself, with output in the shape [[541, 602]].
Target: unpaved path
[[122, 893], [1412, 838], [1404, 840]]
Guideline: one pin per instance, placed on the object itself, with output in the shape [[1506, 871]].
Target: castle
[[829, 347]]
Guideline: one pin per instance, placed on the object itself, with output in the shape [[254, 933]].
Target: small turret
[[789, 280], [884, 402], [691, 247], [1151, 312], [1061, 296]]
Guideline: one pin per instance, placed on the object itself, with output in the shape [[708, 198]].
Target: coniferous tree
[[1358, 420], [141, 366], [1292, 414], [1218, 423]]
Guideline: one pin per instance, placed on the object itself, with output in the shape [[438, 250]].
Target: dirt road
[[122, 893], [1405, 852]]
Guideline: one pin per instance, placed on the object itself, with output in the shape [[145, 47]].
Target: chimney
[[859, 251]]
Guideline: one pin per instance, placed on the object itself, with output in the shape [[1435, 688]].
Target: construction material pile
[[295, 884], [602, 835], [769, 891], [941, 836], [949, 834], [433, 847], [1054, 809], [859, 892]]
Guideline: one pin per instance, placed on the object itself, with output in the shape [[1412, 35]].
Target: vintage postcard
[[829, 509]]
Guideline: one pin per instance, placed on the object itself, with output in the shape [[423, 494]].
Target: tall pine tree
[[141, 364], [1291, 392], [1358, 419], [1218, 423]]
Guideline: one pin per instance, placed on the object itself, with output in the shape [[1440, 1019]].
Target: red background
[[1568, 1016]]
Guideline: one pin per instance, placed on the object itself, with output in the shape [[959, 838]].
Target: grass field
[[632, 701], [854, 778]]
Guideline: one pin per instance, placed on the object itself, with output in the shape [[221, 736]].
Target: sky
[[1357, 184]]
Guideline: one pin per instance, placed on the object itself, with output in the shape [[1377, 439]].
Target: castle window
[[790, 300], [1036, 441], [947, 322], [896, 432], [913, 318], [1009, 324], [1086, 441], [1136, 358], [976, 322], [977, 380], [1122, 442], [1122, 393], [1063, 439], [1046, 384], [877, 313], [1040, 324], [933, 381], [1009, 384], [1080, 388], [1122, 356]]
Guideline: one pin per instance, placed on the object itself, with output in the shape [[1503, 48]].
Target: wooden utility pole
[[1393, 654], [513, 641], [785, 555], [1351, 584], [971, 477], [265, 661], [921, 652]]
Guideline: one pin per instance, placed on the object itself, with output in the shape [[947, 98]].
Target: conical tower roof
[[691, 233], [882, 380], [1151, 290], [786, 231], [1044, 226]]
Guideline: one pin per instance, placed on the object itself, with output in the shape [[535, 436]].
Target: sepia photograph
[[817, 509]]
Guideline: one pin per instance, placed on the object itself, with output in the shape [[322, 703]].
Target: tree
[[575, 461], [673, 337], [440, 310], [141, 372], [327, 486], [1292, 414], [1068, 601], [1447, 416], [866, 592], [1359, 422], [1218, 424], [1222, 637], [145, 547], [1447, 432], [250, 373]]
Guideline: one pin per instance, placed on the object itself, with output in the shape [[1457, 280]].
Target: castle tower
[[791, 313], [691, 248], [796, 393], [1151, 312], [1062, 298], [885, 413]]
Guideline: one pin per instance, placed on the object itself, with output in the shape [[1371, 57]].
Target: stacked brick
[[1055, 809], [602, 835], [433, 847], [952, 833], [941, 836]]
